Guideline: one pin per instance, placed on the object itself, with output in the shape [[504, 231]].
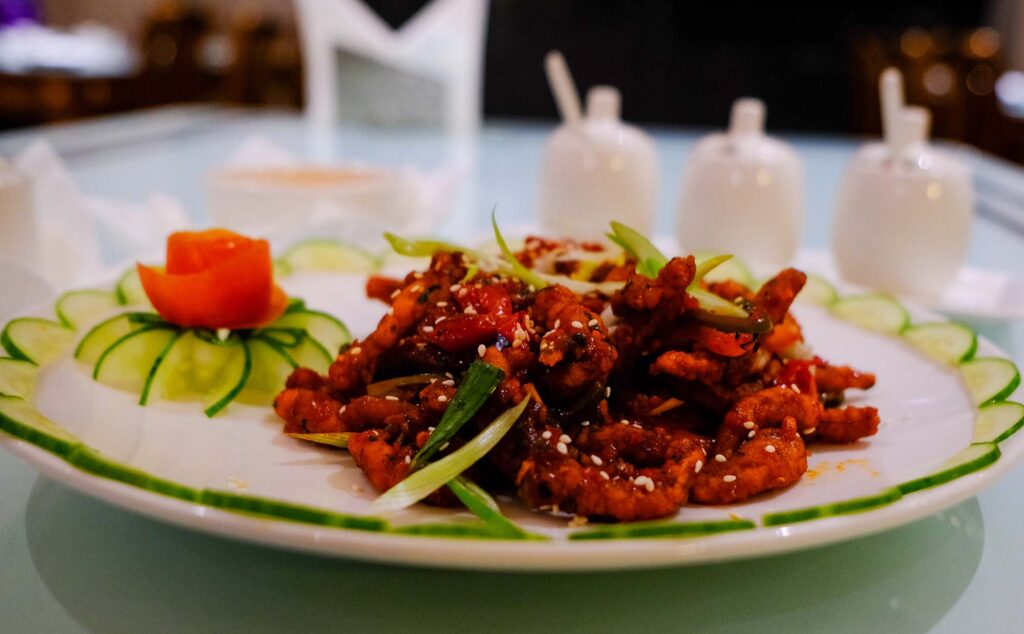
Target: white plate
[[927, 418]]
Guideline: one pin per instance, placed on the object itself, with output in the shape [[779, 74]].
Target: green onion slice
[[335, 439], [437, 474], [518, 270], [706, 266], [481, 504], [480, 381], [423, 248], [649, 259], [388, 386]]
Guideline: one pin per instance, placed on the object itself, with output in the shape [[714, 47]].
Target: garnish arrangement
[[511, 396], [221, 330]]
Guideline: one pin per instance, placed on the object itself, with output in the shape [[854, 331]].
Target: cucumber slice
[[732, 269], [945, 342], [856, 505], [18, 378], [92, 461], [37, 340], [270, 369], [998, 421], [990, 379], [971, 459], [662, 529], [817, 291], [78, 309], [129, 289], [131, 362], [329, 331], [329, 255], [286, 510], [879, 313], [103, 334], [23, 421], [196, 369]]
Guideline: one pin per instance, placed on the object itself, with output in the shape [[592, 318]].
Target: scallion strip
[[437, 474], [715, 304], [481, 504], [334, 439], [649, 259], [481, 380], [706, 266], [518, 270], [423, 248], [383, 388]]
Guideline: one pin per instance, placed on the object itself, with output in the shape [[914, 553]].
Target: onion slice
[[437, 474]]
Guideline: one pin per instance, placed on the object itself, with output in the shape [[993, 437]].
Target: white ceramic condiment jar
[[596, 171], [904, 213], [743, 193]]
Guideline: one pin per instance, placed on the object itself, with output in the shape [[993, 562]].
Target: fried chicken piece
[[638, 474], [834, 379], [773, 459], [382, 288], [308, 411], [767, 408], [777, 294], [381, 458], [847, 424], [575, 349], [691, 366], [354, 368]]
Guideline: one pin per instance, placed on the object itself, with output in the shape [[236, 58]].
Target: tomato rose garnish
[[215, 279]]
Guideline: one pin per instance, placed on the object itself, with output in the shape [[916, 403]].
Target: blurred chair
[[425, 73]]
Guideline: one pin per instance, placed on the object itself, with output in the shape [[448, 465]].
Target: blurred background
[[675, 65]]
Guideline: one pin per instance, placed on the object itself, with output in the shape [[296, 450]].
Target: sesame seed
[[558, 322], [428, 329], [729, 478], [624, 421], [355, 350], [607, 392], [454, 287], [719, 457], [752, 433], [389, 397], [462, 293], [441, 304], [596, 460], [698, 466], [469, 310], [433, 381], [481, 349], [562, 449], [649, 485], [769, 448], [605, 475], [440, 319], [408, 459], [585, 423], [577, 324], [391, 311], [749, 424], [442, 398], [449, 375], [395, 293], [431, 429], [546, 435], [796, 388], [592, 323], [531, 288], [810, 430], [448, 382], [564, 438]]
